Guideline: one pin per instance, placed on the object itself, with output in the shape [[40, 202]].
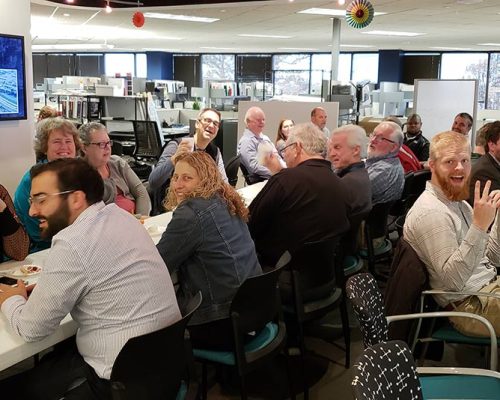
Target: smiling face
[[185, 180], [207, 125], [451, 172], [287, 127], [60, 145], [52, 210], [256, 121], [94, 155], [340, 153]]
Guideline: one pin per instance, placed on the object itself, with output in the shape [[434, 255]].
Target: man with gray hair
[[305, 202], [346, 148], [252, 138], [383, 165]]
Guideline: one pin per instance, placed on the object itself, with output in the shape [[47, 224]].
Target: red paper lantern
[[138, 19]]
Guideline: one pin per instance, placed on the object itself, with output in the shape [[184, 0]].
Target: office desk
[[14, 349]]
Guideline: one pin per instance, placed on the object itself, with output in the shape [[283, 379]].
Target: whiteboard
[[438, 101]]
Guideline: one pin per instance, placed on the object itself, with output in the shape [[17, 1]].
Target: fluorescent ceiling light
[[489, 44], [367, 46], [392, 33], [296, 48], [176, 17], [265, 36], [217, 48], [74, 46], [450, 48], [329, 11]]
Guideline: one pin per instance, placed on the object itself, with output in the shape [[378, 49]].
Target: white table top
[[13, 349]]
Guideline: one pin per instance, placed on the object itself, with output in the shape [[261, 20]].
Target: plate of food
[[23, 271]]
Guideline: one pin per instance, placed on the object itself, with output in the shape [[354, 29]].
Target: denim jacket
[[211, 251]]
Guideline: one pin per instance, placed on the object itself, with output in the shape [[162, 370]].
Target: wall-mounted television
[[12, 78]]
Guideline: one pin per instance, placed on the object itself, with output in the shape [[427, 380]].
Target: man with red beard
[[451, 237]]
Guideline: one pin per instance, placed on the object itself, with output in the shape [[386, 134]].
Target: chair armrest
[[457, 371], [439, 314]]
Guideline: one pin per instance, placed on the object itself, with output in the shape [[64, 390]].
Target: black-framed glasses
[[208, 121], [378, 139], [282, 151], [39, 198], [103, 145]]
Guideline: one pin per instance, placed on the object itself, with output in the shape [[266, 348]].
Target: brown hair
[[211, 184], [47, 112], [280, 127]]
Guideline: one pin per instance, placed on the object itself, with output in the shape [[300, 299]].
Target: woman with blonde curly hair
[[208, 244]]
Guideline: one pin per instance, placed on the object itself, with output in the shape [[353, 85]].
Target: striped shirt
[[458, 255], [105, 271], [386, 177]]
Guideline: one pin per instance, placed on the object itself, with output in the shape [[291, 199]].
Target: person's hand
[[7, 291], [184, 147], [3, 206], [272, 162], [485, 205]]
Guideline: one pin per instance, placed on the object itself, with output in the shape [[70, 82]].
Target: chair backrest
[[249, 180], [417, 186], [151, 366], [366, 299], [232, 170], [400, 206], [349, 242], [257, 300], [147, 139], [386, 371], [407, 280], [376, 222]]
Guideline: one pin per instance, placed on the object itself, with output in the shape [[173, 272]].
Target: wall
[[16, 137]]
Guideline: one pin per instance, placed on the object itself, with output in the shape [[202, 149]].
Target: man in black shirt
[[414, 138]]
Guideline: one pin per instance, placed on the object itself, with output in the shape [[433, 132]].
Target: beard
[[56, 222], [453, 192]]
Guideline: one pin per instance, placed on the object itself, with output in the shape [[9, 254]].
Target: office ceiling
[[443, 25]]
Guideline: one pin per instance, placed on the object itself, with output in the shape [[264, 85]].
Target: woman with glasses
[[284, 129], [121, 185], [207, 126], [55, 138], [15, 242], [208, 244]]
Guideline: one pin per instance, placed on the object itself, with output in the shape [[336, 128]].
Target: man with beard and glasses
[[102, 268], [451, 237]]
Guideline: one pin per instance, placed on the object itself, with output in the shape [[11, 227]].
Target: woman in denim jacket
[[208, 244]]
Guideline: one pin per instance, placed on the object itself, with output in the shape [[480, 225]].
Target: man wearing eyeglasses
[[102, 268], [248, 146], [305, 202], [384, 168], [207, 126]]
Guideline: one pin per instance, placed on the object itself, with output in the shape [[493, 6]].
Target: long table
[[14, 349]]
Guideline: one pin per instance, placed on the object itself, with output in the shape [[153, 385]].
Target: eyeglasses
[[208, 121], [38, 199], [378, 139], [103, 145], [282, 151]]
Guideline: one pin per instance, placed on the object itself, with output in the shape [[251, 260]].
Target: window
[[467, 66], [141, 65], [119, 64], [365, 66], [320, 69], [494, 84], [291, 74], [217, 66]]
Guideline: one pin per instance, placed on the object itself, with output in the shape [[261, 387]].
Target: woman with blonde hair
[[208, 244]]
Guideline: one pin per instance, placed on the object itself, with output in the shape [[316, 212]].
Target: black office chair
[[232, 170], [400, 207], [152, 366], [148, 145], [255, 308], [417, 186], [376, 227], [316, 278], [248, 179]]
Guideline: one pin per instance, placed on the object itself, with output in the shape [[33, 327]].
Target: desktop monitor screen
[[12, 78]]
